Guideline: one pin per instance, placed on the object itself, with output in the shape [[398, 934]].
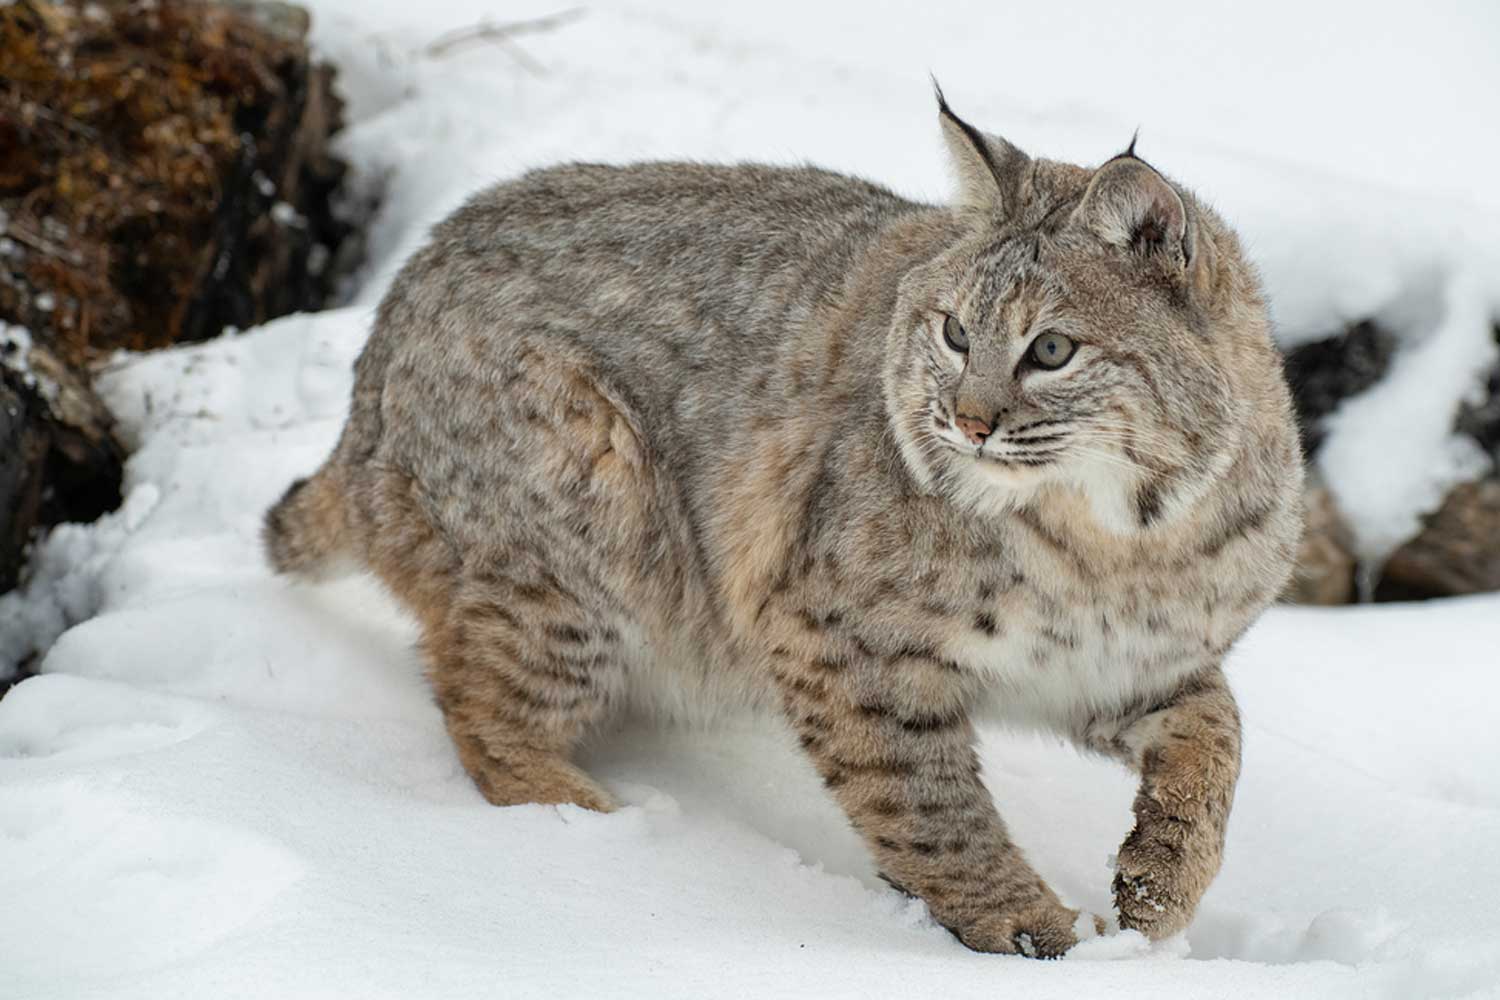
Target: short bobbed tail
[[306, 532]]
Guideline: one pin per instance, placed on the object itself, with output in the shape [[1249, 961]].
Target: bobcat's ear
[[1128, 204], [989, 169]]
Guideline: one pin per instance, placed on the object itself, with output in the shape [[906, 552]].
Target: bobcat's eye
[[955, 335], [1051, 350]]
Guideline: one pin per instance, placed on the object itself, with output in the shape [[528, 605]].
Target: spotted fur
[[676, 435]]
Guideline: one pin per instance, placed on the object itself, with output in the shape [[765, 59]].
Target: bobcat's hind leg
[[522, 672]]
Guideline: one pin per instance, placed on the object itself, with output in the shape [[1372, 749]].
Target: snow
[[223, 784], [67, 582], [15, 354]]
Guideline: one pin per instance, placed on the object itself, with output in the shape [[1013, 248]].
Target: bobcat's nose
[[974, 429]]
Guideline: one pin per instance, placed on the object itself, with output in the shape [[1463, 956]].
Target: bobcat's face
[[1067, 339]]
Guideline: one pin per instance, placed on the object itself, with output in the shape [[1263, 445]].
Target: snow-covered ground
[[226, 785]]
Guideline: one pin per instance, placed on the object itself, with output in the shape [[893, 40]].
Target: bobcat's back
[[670, 278]]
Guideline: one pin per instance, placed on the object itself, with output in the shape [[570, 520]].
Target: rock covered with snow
[[1451, 544], [1457, 551]]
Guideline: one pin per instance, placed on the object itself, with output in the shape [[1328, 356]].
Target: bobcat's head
[[1085, 329]]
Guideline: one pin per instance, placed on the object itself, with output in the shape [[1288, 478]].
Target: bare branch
[[40, 244], [502, 34]]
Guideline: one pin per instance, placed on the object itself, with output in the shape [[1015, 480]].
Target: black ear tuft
[[989, 169], [1130, 149], [976, 138], [937, 91]]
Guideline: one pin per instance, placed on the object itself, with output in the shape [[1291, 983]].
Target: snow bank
[[226, 785]]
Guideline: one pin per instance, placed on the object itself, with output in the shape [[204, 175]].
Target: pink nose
[[974, 429]]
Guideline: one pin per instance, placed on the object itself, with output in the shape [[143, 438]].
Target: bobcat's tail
[[307, 532]]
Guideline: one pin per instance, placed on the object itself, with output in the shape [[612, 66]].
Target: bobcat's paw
[[1162, 871], [1043, 930], [1143, 907]]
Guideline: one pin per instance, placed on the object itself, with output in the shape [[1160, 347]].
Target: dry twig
[[40, 244], [503, 35]]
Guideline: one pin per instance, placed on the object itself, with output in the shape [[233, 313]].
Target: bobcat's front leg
[[899, 757], [1187, 751]]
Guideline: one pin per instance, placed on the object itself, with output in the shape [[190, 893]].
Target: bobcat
[[778, 436]]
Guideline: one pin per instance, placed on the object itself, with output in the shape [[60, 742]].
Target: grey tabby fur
[[685, 434]]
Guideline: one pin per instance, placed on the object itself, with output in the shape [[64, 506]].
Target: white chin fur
[[989, 488]]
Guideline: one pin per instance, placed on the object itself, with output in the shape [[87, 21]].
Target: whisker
[[1034, 438], [1131, 437], [1145, 434], [1156, 464], [1047, 453], [1125, 463], [1037, 423], [1044, 442]]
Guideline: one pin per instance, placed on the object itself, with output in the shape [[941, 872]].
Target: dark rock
[[59, 460], [1325, 570], [1481, 420], [1457, 552], [1326, 372], [23, 452], [164, 173]]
